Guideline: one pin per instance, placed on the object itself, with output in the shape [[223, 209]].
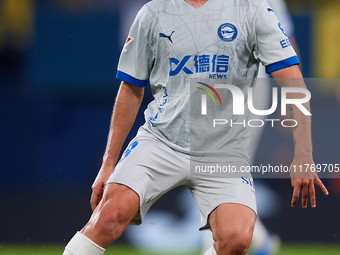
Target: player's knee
[[119, 218], [234, 241]]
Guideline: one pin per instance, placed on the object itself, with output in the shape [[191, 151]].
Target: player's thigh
[[210, 191], [231, 221], [150, 168], [118, 206], [120, 200]]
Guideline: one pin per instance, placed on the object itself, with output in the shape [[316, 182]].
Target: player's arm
[[124, 113], [301, 181]]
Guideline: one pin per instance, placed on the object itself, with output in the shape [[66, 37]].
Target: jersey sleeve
[[273, 48], [136, 58], [283, 15]]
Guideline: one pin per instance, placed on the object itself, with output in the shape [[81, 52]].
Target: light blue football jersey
[[170, 44]]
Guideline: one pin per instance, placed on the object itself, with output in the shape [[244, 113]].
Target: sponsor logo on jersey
[[285, 42], [248, 181], [160, 107], [227, 32], [216, 65], [270, 10], [161, 35], [180, 66], [281, 28]]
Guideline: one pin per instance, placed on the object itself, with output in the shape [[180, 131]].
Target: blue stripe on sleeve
[[282, 64], [129, 79]]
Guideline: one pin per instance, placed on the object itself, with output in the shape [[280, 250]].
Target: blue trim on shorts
[[282, 64], [131, 80]]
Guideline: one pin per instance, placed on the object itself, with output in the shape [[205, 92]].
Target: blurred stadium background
[[57, 87]]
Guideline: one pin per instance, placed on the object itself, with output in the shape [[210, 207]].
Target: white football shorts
[[151, 168]]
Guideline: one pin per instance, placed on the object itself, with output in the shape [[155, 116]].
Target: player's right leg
[[147, 170], [118, 207]]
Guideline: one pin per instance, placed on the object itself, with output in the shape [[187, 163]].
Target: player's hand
[[99, 185], [303, 180]]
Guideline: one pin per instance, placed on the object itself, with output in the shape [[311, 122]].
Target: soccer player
[[169, 44]]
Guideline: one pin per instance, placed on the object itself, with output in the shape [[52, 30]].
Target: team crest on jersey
[[227, 32]]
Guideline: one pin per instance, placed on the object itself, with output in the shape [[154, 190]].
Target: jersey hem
[[129, 79], [282, 64], [186, 152]]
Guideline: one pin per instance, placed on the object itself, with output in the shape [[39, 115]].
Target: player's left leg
[[232, 226], [228, 207]]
